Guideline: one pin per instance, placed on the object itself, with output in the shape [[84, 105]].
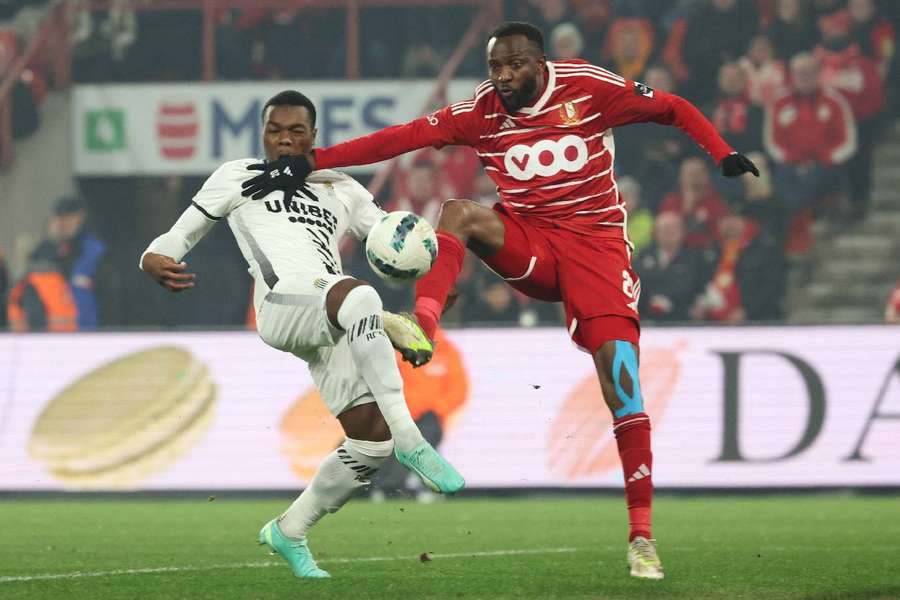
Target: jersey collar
[[550, 84]]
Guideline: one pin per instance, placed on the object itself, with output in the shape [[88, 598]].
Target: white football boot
[[643, 561]]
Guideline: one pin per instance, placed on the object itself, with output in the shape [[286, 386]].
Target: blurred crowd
[[803, 87]]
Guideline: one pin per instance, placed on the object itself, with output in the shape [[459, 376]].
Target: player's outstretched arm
[[689, 119], [633, 102], [162, 260], [166, 272], [289, 172]]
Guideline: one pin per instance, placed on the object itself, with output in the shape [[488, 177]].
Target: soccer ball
[[401, 247]]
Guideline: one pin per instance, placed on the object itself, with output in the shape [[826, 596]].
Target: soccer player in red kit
[[543, 131]]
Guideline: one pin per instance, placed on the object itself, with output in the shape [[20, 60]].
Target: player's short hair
[[530, 32], [291, 98]]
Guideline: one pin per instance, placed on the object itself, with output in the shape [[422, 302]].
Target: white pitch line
[[256, 565]]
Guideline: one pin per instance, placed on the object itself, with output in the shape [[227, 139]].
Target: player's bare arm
[[167, 273]]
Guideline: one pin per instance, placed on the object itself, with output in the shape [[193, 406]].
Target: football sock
[[433, 288], [633, 438], [344, 471], [373, 355]]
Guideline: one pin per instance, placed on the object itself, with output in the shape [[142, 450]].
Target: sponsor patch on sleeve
[[642, 89]]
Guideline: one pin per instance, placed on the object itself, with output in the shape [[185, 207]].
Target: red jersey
[[552, 161]]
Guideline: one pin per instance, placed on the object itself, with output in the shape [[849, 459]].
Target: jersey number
[[631, 289]]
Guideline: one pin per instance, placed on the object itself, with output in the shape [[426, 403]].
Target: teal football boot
[[295, 552], [432, 468]]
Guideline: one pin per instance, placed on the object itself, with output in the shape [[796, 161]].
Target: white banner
[[192, 128], [731, 407]]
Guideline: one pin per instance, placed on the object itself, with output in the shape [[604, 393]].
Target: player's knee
[[360, 302], [622, 364], [457, 217]]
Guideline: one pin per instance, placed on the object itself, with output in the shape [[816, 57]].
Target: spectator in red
[[766, 75], [749, 278], [847, 70], [697, 202], [719, 31], [791, 31], [892, 310], [734, 115], [672, 276], [874, 34], [809, 133], [420, 191]]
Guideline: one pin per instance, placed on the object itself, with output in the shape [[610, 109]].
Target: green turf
[[729, 548]]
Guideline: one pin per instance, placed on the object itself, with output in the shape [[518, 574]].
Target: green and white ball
[[401, 247]]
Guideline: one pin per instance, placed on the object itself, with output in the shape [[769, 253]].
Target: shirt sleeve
[[189, 229], [364, 212], [215, 200], [457, 124], [220, 192], [635, 102]]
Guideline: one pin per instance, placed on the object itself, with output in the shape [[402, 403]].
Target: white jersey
[[277, 237]]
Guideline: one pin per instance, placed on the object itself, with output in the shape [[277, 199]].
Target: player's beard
[[521, 97]]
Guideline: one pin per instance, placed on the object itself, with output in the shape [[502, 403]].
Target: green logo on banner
[[104, 130]]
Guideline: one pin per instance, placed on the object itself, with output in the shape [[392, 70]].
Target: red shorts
[[592, 276]]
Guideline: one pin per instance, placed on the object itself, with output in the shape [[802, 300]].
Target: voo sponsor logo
[[546, 158]]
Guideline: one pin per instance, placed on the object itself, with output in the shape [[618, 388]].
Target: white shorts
[[292, 318]]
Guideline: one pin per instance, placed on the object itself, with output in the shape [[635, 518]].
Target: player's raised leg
[[355, 307], [617, 367], [462, 223], [341, 474]]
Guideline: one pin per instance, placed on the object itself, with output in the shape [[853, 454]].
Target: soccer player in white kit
[[305, 305]]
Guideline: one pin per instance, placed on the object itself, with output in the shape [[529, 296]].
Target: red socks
[[433, 288], [633, 438]]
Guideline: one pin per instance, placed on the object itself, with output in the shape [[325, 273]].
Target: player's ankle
[[407, 439], [635, 533], [426, 317]]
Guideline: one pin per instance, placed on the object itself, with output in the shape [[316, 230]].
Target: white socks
[[360, 317], [344, 471]]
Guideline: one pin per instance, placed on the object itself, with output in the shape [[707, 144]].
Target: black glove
[[286, 173], [736, 164]]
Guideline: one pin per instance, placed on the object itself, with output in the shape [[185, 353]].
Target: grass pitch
[[815, 547]]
